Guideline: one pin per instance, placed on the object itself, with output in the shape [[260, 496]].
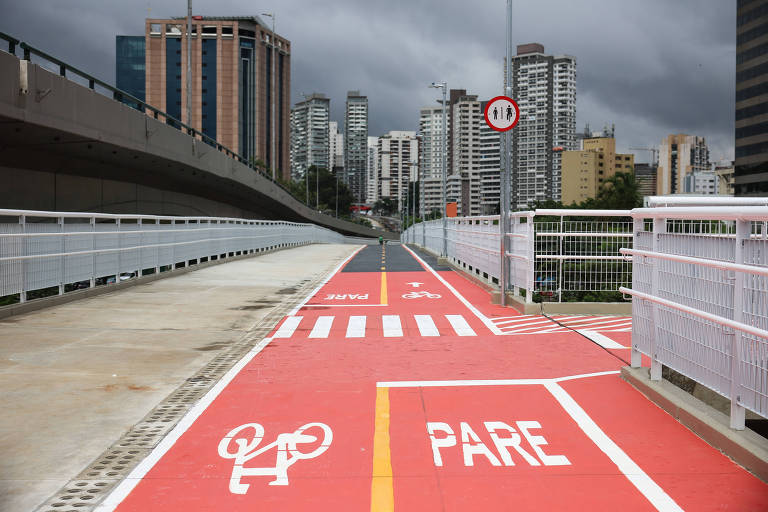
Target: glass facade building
[[130, 68]]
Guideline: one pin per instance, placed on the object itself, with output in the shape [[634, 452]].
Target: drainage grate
[[95, 482]]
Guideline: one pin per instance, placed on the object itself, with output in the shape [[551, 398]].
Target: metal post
[[560, 263], [638, 226], [62, 260], [737, 410], [445, 171], [24, 252], [189, 62], [505, 191], [659, 227]]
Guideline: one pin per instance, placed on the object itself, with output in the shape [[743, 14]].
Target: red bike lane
[[390, 390]]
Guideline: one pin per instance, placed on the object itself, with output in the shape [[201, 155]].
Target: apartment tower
[[309, 135], [585, 171], [680, 155], [544, 87], [356, 145], [397, 164], [233, 86], [430, 157]]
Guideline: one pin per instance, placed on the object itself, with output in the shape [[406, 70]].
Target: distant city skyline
[[653, 68]]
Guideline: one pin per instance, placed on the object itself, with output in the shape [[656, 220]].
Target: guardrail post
[[140, 270], [93, 254], [560, 263], [636, 357], [25, 252], [531, 259], [743, 231], [119, 250], [659, 227], [62, 250]]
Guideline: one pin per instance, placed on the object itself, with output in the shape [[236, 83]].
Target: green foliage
[[322, 194], [386, 206]]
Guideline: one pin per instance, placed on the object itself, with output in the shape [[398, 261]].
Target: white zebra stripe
[[460, 325], [322, 327], [356, 327], [391, 326], [426, 325], [288, 328]]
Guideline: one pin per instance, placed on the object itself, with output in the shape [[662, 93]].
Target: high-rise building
[[703, 182], [372, 170], [751, 170], [645, 175], [679, 156], [430, 156], [544, 87], [130, 66], [335, 145], [585, 171], [397, 164], [233, 85], [356, 144], [475, 157], [309, 135]]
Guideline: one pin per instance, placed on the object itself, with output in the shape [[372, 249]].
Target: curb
[[745, 447]]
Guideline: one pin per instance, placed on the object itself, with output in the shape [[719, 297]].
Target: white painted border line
[[460, 325], [487, 321], [426, 325], [356, 327], [512, 324], [497, 382], [324, 282], [601, 339], [288, 327], [125, 487], [645, 484]]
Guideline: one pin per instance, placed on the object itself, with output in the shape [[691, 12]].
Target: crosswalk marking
[[289, 326], [601, 339], [538, 324], [460, 325], [356, 327], [426, 325], [322, 327], [391, 326]]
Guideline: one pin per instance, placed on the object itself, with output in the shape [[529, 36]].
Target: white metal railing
[[700, 299], [555, 254], [41, 250]]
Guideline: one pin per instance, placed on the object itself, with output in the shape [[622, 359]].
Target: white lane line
[[460, 325], [324, 282], [125, 487], [600, 339], [322, 327], [487, 321], [500, 382], [356, 327], [390, 324], [426, 325], [601, 327], [511, 317], [645, 484], [289, 327]]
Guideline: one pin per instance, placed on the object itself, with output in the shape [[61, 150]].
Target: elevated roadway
[[65, 147], [389, 383]]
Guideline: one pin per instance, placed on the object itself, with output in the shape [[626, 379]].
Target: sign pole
[[507, 173]]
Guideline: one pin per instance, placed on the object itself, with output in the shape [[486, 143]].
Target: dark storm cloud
[[653, 67]]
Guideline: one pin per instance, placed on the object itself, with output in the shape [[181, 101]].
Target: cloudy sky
[[652, 67]]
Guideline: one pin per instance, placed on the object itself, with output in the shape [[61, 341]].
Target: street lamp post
[[189, 63], [444, 87], [506, 174], [272, 97]]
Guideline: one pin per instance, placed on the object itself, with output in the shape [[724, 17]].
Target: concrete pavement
[[76, 377]]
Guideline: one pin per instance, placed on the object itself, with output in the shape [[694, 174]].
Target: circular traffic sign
[[502, 113]]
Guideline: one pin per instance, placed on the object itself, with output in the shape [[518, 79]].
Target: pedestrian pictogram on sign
[[502, 113]]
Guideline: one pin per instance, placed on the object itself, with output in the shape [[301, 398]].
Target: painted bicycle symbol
[[418, 295], [287, 446]]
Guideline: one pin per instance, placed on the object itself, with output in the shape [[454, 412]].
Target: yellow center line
[[383, 298], [382, 491]]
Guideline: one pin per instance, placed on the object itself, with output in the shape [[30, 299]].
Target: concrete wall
[[66, 147]]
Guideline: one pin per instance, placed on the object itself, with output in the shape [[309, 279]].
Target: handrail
[[726, 322], [84, 215], [705, 262], [715, 213], [130, 100]]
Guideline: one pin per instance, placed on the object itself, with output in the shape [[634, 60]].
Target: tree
[[619, 192], [322, 194]]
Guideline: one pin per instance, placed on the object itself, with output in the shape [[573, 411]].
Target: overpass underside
[[65, 147]]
